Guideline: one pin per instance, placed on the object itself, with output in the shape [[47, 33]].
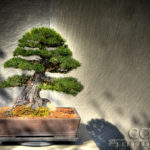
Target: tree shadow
[[108, 96], [2, 54], [5, 95], [106, 135], [141, 120], [3, 92], [119, 111], [146, 119], [97, 107]]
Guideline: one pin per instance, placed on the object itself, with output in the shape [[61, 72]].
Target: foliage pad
[[23, 64], [67, 85], [60, 51], [41, 38], [15, 80]]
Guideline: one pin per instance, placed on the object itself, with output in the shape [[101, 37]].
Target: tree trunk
[[30, 94]]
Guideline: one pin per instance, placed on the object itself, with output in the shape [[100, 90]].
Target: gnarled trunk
[[30, 94]]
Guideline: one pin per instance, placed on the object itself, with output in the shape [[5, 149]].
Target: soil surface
[[60, 113]]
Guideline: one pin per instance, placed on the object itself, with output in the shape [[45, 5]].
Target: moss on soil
[[23, 111], [59, 113]]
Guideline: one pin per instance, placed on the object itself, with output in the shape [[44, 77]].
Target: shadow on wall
[[106, 134], [98, 108], [2, 54], [141, 120], [3, 92]]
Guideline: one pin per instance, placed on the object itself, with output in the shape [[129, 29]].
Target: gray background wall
[[110, 39]]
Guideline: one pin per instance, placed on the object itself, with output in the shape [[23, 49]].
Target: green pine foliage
[[62, 64], [14, 81], [54, 56], [60, 51], [23, 64], [67, 85], [41, 38]]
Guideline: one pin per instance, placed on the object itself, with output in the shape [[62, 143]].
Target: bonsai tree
[[54, 56]]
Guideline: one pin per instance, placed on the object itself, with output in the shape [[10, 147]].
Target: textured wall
[[17, 17], [110, 38]]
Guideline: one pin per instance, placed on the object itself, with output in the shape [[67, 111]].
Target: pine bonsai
[[54, 57]]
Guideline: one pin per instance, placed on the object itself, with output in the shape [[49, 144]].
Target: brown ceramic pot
[[43, 129]]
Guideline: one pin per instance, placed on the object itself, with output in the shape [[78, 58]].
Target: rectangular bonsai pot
[[45, 129]]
